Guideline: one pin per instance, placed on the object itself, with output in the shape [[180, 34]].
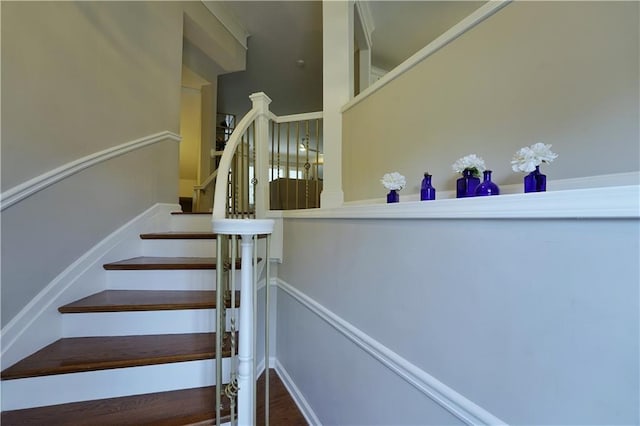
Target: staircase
[[140, 352]]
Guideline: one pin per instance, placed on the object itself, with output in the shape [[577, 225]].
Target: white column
[[246, 350], [261, 102], [337, 80], [365, 69]]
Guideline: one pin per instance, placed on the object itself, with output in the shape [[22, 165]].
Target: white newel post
[[246, 349], [247, 229], [261, 103]]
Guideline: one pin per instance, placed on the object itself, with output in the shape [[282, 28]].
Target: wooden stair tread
[[179, 235], [180, 407], [165, 263], [172, 408], [144, 300], [77, 354]]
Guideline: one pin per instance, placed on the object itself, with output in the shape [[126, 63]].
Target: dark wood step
[[184, 235], [181, 407], [77, 354], [144, 300], [176, 235], [145, 263]]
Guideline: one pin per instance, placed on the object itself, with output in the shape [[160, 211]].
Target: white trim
[[366, 19], [461, 407], [454, 32], [208, 180], [298, 398], [30, 187], [617, 202], [39, 323], [242, 226], [228, 20], [296, 117]]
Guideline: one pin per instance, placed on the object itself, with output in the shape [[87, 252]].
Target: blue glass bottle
[[393, 196], [466, 185], [535, 181], [427, 192], [487, 187]]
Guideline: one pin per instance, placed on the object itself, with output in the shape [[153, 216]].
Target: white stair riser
[[162, 280], [179, 248], [197, 279], [192, 223], [136, 323], [64, 388]]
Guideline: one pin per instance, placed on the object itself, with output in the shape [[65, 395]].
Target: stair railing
[[237, 203], [200, 190], [261, 146]]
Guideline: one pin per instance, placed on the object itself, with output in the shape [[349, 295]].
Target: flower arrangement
[[393, 181], [528, 158], [470, 162]]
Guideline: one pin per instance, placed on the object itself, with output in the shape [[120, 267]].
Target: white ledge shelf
[[613, 202]]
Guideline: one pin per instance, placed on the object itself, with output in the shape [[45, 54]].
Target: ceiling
[[284, 32]]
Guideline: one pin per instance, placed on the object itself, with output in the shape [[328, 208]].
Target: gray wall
[[78, 78], [562, 73], [535, 321]]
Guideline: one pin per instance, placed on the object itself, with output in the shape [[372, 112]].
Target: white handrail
[[220, 193], [207, 181], [296, 117]]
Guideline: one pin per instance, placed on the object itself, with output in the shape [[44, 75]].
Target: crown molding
[[228, 20]]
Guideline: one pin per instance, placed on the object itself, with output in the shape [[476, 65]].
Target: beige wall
[[81, 77], [563, 73], [190, 130], [78, 78]]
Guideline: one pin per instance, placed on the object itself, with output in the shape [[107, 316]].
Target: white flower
[[393, 181], [528, 158], [470, 162]]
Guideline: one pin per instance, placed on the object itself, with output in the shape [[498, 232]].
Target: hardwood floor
[[283, 410], [145, 300], [184, 407]]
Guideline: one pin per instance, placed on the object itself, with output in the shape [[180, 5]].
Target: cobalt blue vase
[[467, 184], [427, 192], [393, 196], [535, 181], [487, 187]]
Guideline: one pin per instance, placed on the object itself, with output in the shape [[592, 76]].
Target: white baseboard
[[461, 407], [39, 322], [297, 396]]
